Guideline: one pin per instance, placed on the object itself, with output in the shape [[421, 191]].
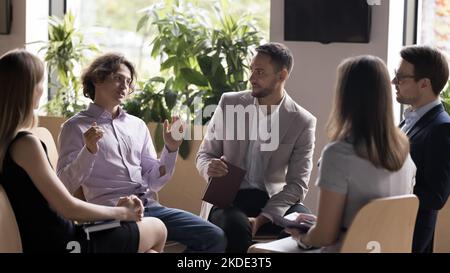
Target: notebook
[[100, 225], [221, 191], [288, 221]]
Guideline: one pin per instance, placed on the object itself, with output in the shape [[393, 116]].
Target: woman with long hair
[[368, 156], [43, 207]]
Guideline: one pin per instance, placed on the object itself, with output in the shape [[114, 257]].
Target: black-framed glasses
[[398, 78]]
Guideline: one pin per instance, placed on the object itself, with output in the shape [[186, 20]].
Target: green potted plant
[[199, 58], [64, 55]]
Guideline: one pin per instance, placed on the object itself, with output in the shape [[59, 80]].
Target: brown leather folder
[[221, 191]]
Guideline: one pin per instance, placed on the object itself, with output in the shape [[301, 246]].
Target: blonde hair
[[20, 72], [362, 111]]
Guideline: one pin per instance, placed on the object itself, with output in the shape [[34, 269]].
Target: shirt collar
[[419, 112], [98, 112]]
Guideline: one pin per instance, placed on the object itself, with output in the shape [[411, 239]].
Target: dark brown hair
[[428, 63], [280, 55], [102, 67]]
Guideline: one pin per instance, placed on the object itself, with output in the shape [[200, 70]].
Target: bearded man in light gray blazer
[[272, 138]]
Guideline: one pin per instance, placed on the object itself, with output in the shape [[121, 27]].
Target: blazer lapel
[[245, 100], [425, 120]]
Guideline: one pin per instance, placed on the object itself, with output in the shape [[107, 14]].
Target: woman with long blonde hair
[[43, 207], [368, 156]]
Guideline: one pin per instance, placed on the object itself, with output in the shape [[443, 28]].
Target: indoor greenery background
[[201, 56], [64, 55], [112, 24], [202, 52]]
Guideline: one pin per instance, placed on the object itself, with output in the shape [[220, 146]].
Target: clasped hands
[[134, 205]]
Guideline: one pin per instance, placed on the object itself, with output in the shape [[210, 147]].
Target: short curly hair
[[102, 67]]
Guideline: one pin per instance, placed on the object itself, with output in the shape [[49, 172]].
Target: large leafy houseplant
[[148, 104], [199, 58], [64, 55]]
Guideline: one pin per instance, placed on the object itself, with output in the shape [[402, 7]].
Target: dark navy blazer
[[430, 151]]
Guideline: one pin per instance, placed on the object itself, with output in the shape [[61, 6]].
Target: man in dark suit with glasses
[[421, 76]]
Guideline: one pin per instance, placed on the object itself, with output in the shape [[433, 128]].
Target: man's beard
[[261, 93]]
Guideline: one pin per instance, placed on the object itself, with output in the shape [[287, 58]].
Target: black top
[[42, 229]]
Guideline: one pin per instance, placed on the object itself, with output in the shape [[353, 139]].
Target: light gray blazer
[[287, 169]]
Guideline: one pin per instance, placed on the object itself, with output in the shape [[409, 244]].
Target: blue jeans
[[190, 230]]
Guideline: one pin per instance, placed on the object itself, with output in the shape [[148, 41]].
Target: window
[[434, 24], [37, 33], [428, 23], [433, 29], [112, 25]]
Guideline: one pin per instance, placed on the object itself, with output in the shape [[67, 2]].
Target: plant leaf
[[194, 77], [185, 149], [171, 99], [169, 63], [142, 22], [159, 140], [157, 79]]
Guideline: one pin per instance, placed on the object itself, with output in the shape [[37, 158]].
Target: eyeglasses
[[398, 79], [120, 79]]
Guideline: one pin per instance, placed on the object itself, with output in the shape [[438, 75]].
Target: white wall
[[312, 81]]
